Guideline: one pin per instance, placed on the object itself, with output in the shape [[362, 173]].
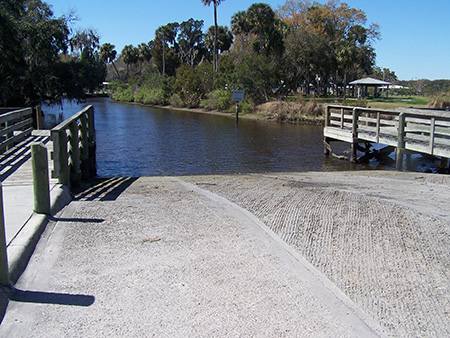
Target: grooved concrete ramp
[[163, 257]]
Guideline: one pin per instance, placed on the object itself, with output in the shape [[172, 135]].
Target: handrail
[[74, 148], [17, 124], [426, 132]]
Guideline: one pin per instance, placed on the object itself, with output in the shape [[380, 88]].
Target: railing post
[[400, 142], [39, 120], [432, 131], [327, 116], [74, 154], [84, 150], [41, 187], [354, 134], [4, 272], [60, 157], [92, 143]]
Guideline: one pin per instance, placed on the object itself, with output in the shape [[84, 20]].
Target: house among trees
[[365, 85]]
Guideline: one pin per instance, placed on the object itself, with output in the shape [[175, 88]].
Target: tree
[[307, 57], [171, 59], [190, 42], [130, 56], [260, 17], [342, 27], [166, 35], [108, 55], [260, 20], [215, 53], [223, 39], [84, 39], [31, 39]]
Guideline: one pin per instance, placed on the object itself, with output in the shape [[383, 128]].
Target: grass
[[388, 104], [410, 101]]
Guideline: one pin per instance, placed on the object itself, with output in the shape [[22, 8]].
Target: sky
[[415, 34]]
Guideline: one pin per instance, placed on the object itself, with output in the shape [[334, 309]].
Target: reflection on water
[[133, 140]]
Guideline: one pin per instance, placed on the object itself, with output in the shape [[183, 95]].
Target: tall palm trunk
[[215, 56]]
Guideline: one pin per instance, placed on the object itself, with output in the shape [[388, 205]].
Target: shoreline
[[253, 116]]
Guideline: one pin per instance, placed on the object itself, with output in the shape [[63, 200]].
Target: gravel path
[[382, 237]]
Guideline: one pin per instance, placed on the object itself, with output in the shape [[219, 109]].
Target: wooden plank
[[65, 124], [16, 138], [16, 126], [15, 115]]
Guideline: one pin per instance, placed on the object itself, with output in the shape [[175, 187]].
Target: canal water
[[134, 140]]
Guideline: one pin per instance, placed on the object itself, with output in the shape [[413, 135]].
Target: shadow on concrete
[[103, 189], [38, 297], [78, 220]]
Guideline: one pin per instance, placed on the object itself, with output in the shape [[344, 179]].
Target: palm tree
[[166, 34], [215, 55], [261, 17], [108, 55]]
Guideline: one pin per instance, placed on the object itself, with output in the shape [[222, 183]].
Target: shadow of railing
[[104, 189], [40, 297]]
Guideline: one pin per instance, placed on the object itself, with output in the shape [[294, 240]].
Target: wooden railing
[[16, 125], [74, 148], [425, 132]]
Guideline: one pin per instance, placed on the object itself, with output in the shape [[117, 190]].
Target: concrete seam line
[[319, 283]]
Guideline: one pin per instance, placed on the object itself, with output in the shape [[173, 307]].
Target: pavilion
[[363, 86]]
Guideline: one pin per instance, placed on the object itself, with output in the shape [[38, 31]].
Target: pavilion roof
[[369, 81]]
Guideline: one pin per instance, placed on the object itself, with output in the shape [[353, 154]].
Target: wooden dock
[[405, 131]]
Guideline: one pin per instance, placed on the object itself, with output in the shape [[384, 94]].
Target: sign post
[[238, 96]]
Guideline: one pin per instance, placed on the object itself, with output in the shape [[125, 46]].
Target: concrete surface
[[166, 258], [382, 237], [345, 254]]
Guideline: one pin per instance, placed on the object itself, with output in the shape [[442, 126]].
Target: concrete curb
[[22, 246]]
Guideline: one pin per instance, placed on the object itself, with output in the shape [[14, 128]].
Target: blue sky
[[415, 34]]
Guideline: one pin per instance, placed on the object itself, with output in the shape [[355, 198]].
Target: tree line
[[303, 47]]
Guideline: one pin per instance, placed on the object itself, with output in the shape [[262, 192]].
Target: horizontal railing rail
[[17, 124], [74, 148], [425, 132]]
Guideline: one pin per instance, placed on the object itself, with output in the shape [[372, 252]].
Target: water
[[134, 140]]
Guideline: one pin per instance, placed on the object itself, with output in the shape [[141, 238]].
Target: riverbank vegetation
[[303, 54], [42, 58]]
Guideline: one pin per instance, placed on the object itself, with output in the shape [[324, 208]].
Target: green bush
[[147, 95], [176, 101], [220, 99], [247, 107], [123, 93]]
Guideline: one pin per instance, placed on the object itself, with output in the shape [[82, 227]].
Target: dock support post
[[4, 272], [41, 186], [400, 142], [326, 146]]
